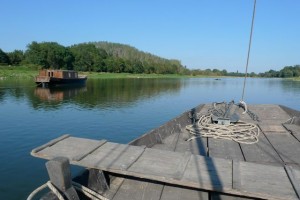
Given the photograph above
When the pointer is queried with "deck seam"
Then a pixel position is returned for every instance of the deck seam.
(289, 172)
(119, 186)
(291, 132)
(283, 163)
(136, 159)
(242, 151)
(177, 138)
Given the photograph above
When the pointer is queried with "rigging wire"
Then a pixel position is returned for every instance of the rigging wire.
(249, 48)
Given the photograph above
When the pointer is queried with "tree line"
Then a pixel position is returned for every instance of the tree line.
(286, 72)
(97, 57)
(117, 58)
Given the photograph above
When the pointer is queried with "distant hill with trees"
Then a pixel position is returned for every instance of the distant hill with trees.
(116, 58)
(96, 56)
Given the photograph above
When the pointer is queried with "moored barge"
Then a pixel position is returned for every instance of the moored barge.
(50, 77)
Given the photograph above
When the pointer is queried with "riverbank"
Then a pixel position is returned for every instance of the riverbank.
(28, 72)
(22, 72)
(296, 79)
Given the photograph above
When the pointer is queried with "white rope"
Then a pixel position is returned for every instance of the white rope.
(243, 103)
(86, 191)
(241, 132)
(55, 191)
(50, 186)
(37, 190)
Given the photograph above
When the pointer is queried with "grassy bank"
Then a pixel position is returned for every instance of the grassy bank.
(23, 72)
(296, 79)
(27, 72)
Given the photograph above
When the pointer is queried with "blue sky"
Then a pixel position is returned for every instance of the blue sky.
(200, 33)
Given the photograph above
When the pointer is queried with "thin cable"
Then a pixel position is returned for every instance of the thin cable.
(249, 48)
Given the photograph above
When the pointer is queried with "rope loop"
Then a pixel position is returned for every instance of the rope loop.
(241, 132)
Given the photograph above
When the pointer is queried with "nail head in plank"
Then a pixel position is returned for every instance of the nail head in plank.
(50, 143)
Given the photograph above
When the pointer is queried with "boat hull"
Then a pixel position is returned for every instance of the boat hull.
(62, 82)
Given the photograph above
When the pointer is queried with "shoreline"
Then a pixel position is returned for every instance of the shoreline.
(29, 72)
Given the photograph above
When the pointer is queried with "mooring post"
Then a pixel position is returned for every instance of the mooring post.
(97, 180)
(60, 176)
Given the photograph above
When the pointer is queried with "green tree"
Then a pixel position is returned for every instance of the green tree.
(88, 58)
(4, 59)
(16, 57)
(48, 55)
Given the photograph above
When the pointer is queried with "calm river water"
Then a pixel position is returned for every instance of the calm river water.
(118, 110)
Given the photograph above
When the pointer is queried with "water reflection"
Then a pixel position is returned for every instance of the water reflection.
(122, 93)
(57, 94)
(103, 93)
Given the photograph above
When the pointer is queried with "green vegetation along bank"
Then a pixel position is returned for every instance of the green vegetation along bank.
(107, 57)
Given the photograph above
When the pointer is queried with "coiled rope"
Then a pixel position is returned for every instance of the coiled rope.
(241, 132)
(50, 186)
(86, 191)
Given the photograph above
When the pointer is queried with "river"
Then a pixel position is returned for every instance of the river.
(117, 110)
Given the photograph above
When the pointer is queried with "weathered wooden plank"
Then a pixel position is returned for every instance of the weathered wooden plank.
(268, 112)
(286, 146)
(50, 143)
(159, 163)
(177, 193)
(113, 187)
(261, 152)
(89, 150)
(200, 172)
(276, 128)
(219, 196)
(221, 148)
(265, 180)
(169, 143)
(295, 129)
(294, 175)
(69, 147)
(209, 173)
(197, 146)
(236, 175)
(113, 156)
(138, 190)
(173, 192)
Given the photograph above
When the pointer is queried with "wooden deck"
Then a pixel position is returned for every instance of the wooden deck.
(172, 168)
